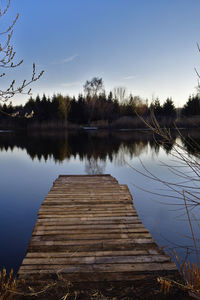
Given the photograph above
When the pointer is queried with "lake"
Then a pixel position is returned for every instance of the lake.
(30, 162)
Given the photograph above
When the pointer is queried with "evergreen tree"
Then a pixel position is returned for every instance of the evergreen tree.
(192, 106)
(156, 107)
(110, 97)
(169, 108)
(29, 106)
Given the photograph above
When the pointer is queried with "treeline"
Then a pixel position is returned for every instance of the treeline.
(94, 106)
(85, 110)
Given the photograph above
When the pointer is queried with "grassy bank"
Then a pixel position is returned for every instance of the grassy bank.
(121, 123)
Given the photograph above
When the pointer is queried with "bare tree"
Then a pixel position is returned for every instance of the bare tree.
(120, 93)
(7, 61)
(93, 87)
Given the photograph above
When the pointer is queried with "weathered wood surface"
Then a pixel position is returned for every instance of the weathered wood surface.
(88, 229)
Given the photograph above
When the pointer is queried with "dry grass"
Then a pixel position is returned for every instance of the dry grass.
(127, 123)
(190, 273)
(13, 288)
(8, 284)
(188, 122)
(60, 288)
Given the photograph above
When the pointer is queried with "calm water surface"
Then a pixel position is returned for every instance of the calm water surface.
(30, 162)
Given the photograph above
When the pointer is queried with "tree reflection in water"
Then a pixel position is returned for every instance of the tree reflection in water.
(93, 147)
(94, 166)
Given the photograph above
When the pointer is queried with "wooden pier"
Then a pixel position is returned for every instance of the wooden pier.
(89, 230)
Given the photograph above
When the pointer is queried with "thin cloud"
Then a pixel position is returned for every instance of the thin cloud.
(65, 60)
(129, 77)
(68, 59)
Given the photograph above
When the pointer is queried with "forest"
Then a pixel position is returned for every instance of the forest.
(95, 107)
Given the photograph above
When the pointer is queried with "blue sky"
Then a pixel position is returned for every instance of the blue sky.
(147, 46)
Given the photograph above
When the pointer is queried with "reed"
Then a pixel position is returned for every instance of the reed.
(191, 274)
(8, 284)
(187, 189)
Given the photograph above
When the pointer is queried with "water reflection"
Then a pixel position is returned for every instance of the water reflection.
(30, 162)
(95, 147)
(191, 141)
(94, 166)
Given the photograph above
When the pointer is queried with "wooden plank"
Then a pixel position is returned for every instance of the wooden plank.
(83, 209)
(136, 267)
(83, 202)
(97, 226)
(93, 227)
(96, 246)
(98, 206)
(90, 219)
(36, 242)
(88, 215)
(87, 231)
(89, 236)
(86, 212)
(95, 260)
(71, 221)
(89, 253)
